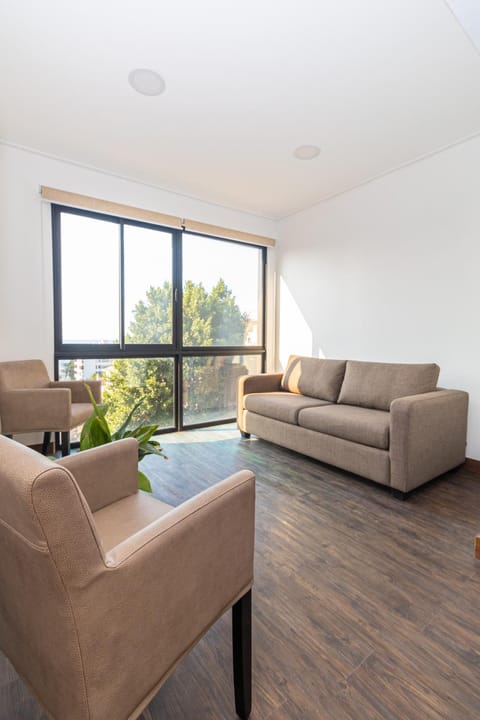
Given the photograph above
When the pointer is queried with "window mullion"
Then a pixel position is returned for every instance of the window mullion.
(177, 309)
(121, 303)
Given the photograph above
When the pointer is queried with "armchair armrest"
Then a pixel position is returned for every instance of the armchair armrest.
(78, 389)
(263, 382)
(35, 409)
(427, 436)
(168, 583)
(223, 513)
(200, 555)
(105, 474)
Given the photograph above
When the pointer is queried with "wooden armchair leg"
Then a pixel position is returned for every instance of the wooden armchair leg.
(242, 654)
(65, 443)
(46, 443)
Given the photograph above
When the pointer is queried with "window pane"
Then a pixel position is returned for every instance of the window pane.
(82, 370)
(148, 285)
(210, 386)
(222, 291)
(126, 381)
(90, 280)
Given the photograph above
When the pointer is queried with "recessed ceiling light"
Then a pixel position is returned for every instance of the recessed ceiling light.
(146, 82)
(306, 152)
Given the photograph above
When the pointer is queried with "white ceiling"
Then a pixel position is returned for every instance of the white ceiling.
(374, 83)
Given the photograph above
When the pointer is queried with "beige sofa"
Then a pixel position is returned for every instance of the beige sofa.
(385, 421)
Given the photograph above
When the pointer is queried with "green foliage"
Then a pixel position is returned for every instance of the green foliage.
(153, 318)
(145, 383)
(96, 431)
(209, 319)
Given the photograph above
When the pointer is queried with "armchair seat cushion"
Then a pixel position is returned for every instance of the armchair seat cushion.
(357, 424)
(283, 406)
(125, 517)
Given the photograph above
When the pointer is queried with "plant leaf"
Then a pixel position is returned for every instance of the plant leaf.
(96, 431)
(100, 412)
(121, 431)
(144, 482)
(143, 433)
(93, 433)
(153, 448)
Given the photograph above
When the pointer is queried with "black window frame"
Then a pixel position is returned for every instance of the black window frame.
(175, 350)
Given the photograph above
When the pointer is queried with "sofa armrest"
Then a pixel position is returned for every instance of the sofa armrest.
(78, 389)
(427, 436)
(263, 382)
(105, 474)
(35, 410)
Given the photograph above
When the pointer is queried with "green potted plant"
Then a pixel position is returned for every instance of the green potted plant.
(96, 431)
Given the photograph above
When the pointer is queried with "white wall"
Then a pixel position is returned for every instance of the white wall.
(26, 284)
(390, 271)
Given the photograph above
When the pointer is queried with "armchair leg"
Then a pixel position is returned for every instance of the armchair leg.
(244, 434)
(65, 444)
(46, 443)
(242, 654)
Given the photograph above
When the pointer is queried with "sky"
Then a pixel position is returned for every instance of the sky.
(90, 272)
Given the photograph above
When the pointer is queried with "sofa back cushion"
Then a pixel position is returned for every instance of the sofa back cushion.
(315, 377)
(376, 385)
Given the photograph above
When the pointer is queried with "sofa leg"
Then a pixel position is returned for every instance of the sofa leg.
(399, 494)
(65, 443)
(244, 434)
(242, 654)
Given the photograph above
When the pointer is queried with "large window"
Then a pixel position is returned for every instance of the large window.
(163, 316)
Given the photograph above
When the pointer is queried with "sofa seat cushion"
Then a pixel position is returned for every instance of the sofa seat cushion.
(282, 406)
(357, 424)
(315, 377)
(377, 385)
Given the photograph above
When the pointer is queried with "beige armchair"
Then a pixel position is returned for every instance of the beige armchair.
(104, 589)
(31, 402)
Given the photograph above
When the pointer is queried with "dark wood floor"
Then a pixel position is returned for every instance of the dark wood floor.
(365, 607)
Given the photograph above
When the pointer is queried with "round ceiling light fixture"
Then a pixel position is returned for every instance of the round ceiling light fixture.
(306, 152)
(146, 82)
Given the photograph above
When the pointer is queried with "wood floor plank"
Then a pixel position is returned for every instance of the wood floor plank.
(364, 607)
